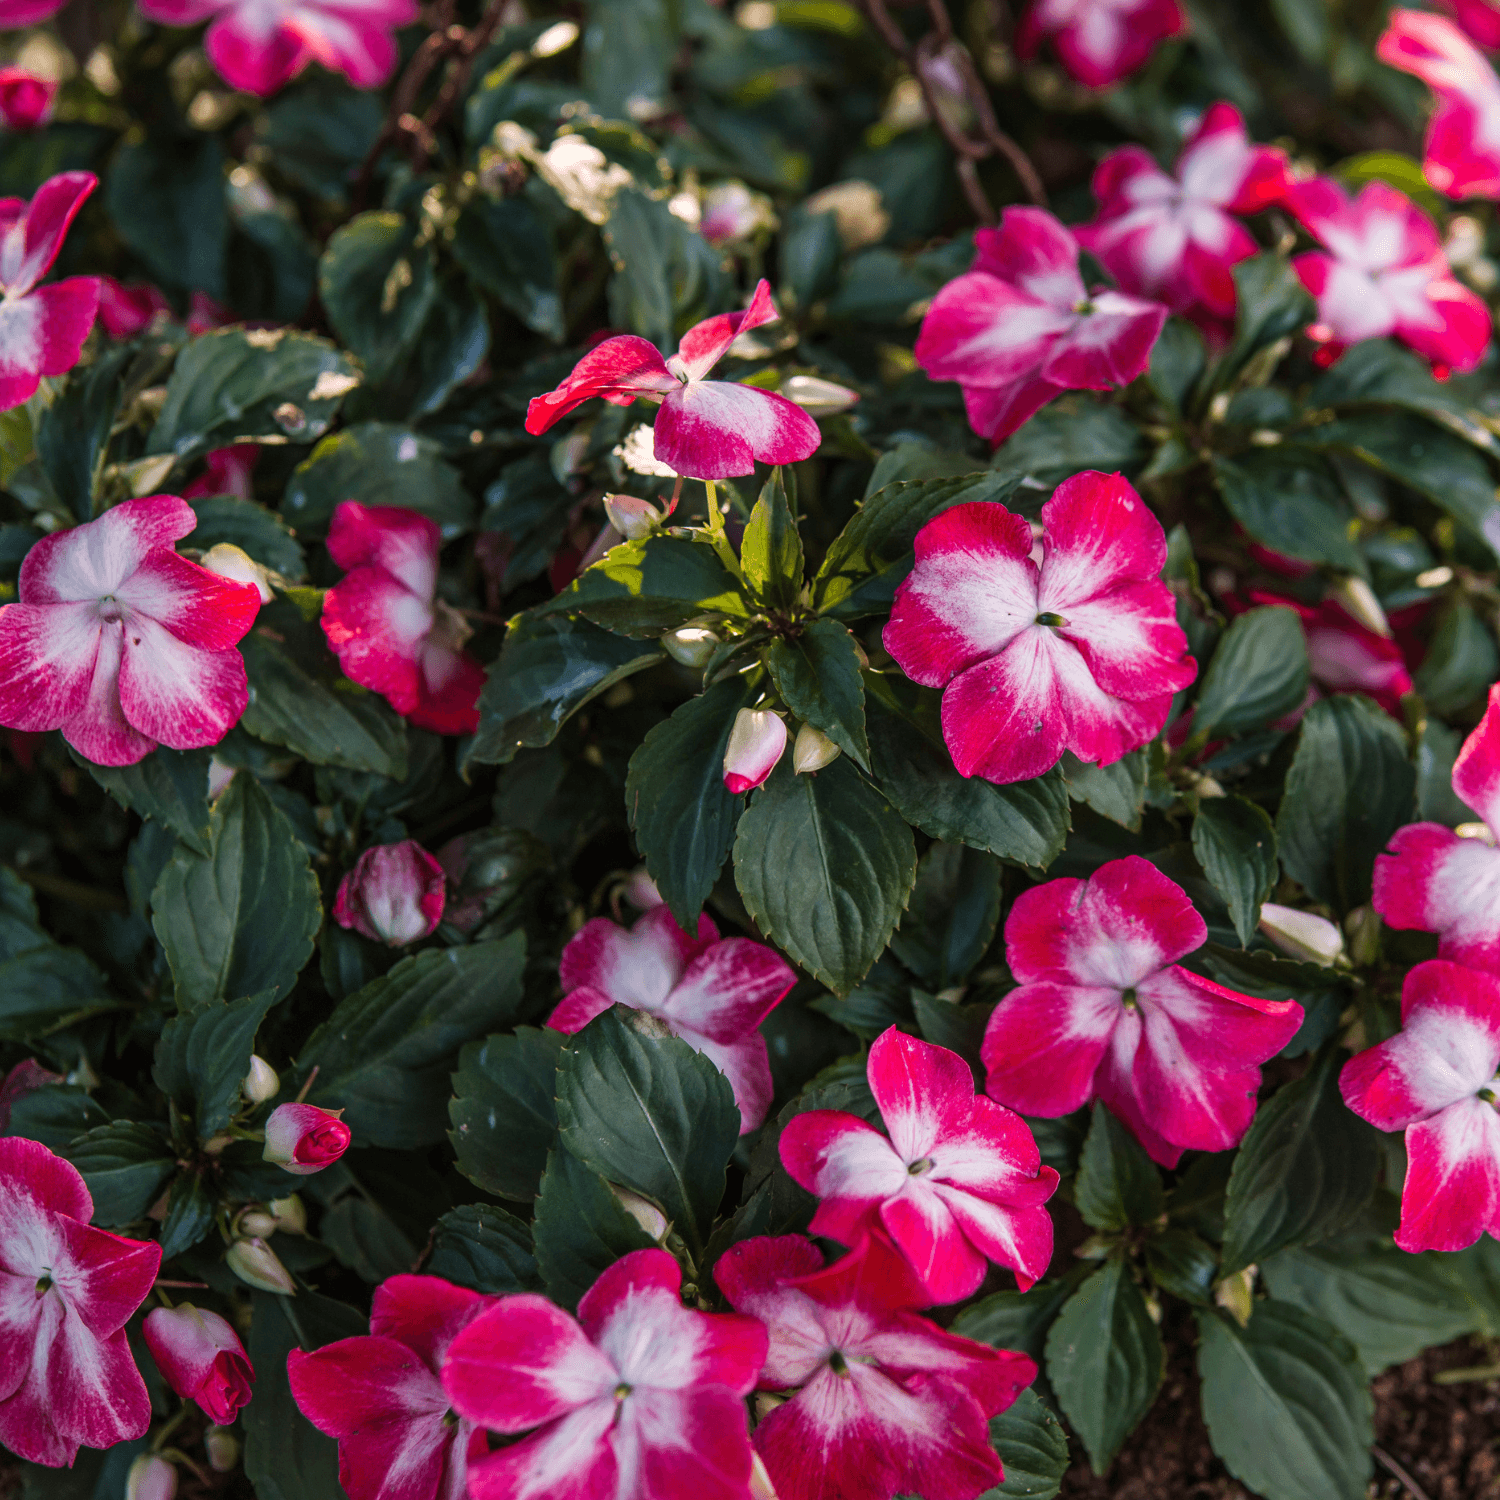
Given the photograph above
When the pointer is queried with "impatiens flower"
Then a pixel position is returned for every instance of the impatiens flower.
(1434, 881)
(394, 895)
(380, 1396)
(957, 1183)
(1435, 1079)
(706, 429)
(882, 1402)
(303, 1139)
(640, 1398)
(125, 311)
(42, 328)
(226, 471)
(1099, 42)
(712, 992)
(1018, 328)
(1103, 1012)
(67, 1378)
(1173, 237)
(756, 742)
(201, 1358)
(121, 643)
(1462, 153)
(385, 623)
(1384, 273)
(25, 99)
(1082, 653)
(259, 47)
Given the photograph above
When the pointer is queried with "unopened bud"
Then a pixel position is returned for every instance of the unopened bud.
(556, 38)
(813, 750)
(1363, 926)
(256, 1224)
(632, 518)
(261, 1082)
(1236, 1295)
(150, 1477)
(235, 564)
(255, 1263)
(223, 1449)
(642, 1210)
(640, 890)
(1480, 831)
(1359, 601)
(756, 743)
(291, 1214)
(1302, 934)
(817, 397)
(691, 645)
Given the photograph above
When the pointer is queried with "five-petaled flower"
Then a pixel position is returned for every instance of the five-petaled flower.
(882, 1402)
(201, 1358)
(393, 895)
(1436, 1080)
(1099, 42)
(706, 429)
(67, 1377)
(1018, 328)
(1103, 1012)
(42, 328)
(385, 623)
(1082, 653)
(1384, 273)
(1173, 237)
(956, 1184)
(121, 643)
(712, 992)
(379, 1394)
(639, 1398)
(303, 1139)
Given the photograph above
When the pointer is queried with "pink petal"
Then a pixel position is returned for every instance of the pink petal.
(1453, 330)
(246, 56)
(924, 1091)
(1476, 772)
(345, 40)
(1452, 1190)
(619, 370)
(996, 413)
(1100, 44)
(757, 741)
(86, 561)
(197, 606)
(34, 1180)
(448, 688)
(1020, 1238)
(684, 1445)
(1044, 1044)
(99, 730)
(1107, 347)
(1035, 252)
(712, 429)
(706, 343)
(378, 628)
(176, 693)
(29, 247)
(928, 1234)
(47, 657)
(729, 989)
(1434, 881)
(983, 331)
(578, 1008)
(402, 542)
(572, 1458)
(638, 967)
(842, 1159)
(756, 1276)
(746, 1065)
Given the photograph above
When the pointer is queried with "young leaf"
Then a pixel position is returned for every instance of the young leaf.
(504, 1112)
(1235, 842)
(771, 551)
(580, 1228)
(124, 1166)
(1258, 673)
(1118, 1184)
(1033, 1449)
(817, 674)
(484, 1248)
(202, 1058)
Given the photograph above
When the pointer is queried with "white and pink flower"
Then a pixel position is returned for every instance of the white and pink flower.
(639, 1398)
(880, 1401)
(1099, 42)
(121, 643)
(1103, 1011)
(1480, 20)
(1436, 1080)
(1384, 274)
(303, 1139)
(25, 99)
(1081, 653)
(757, 741)
(201, 1357)
(380, 1394)
(712, 992)
(67, 1377)
(393, 895)
(706, 429)
(1018, 327)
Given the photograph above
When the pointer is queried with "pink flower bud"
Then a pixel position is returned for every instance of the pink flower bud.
(25, 99)
(755, 745)
(255, 1263)
(393, 895)
(632, 518)
(201, 1358)
(150, 1477)
(303, 1139)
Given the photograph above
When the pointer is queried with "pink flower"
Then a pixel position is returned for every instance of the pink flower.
(25, 99)
(757, 741)
(1434, 881)
(303, 1139)
(386, 625)
(1385, 274)
(640, 1398)
(881, 1401)
(1435, 1079)
(380, 1396)
(956, 1184)
(15, 13)
(1172, 238)
(712, 992)
(1462, 154)
(1082, 653)
(706, 429)
(201, 1358)
(126, 310)
(1099, 42)
(1480, 20)
(121, 643)
(260, 48)
(67, 1377)
(42, 328)
(393, 895)
(1018, 328)
(226, 472)
(1103, 1012)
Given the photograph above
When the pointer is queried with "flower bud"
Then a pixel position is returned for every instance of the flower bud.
(731, 212)
(235, 564)
(223, 1449)
(691, 645)
(817, 397)
(255, 1263)
(640, 890)
(394, 895)
(632, 518)
(201, 1357)
(1359, 602)
(291, 1214)
(150, 1477)
(25, 99)
(1302, 934)
(257, 1223)
(303, 1139)
(261, 1082)
(642, 1210)
(813, 750)
(755, 745)
(860, 215)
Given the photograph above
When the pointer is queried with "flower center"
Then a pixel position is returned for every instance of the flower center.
(1127, 997)
(1084, 308)
(1488, 1095)
(44, 1284)
(837, 1363)
(110, 608)
(622, 1390)
(1048, 618)
(921, 1167)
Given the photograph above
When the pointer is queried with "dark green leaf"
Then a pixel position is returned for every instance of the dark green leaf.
(259, 532)
(504, 1112)
(484, 1248)
(1271, 303)
(1020, 1320)
(1460, 663)
(202, 1058)
(168, 785)
(1118, 1184)
(20, 925)
(1179, 1262)
(166, 198)
(1437, 802)
(1235, 842)
(1033, 1450)
(377, 288)
(452, 344)
(190, 1215)
(124, 1166)
(1178, 359)
(1116, 792)
(504, 245)
(46, 988)
(955, 908)
(818, 677)
(366, 1239)
(1258, 673)
(73, 433)
(771, 549)
(1069, 436)
(580, 1228)
(1291, 505)
(54, 1114)
(665, 273)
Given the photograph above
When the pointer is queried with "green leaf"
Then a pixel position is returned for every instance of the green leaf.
(1033, 1450)
(73, 433)
(385, 1054)
(1460, 663)
(1350, 787)
(682, 814)
(580, 1229)
(818, 677)
(256, 531)
(1020, 1320)
(1118, 1185)
(1305, 1168)
(20, 924)
(642, 1108)
(1291, 505)
(47, 988)
(1116, 792)
(243, 918)
(1178, 359)
(377, 289)
(451, 346)
(168, 785)
(366, 1239)
(1437, 802)
(503, 1111)
(505, 246)
(1105, 1360)
(124, 1166)
(1235, 842)
(202, 1058)
(1179, 1262)
(825, 866)
(1258, 674)
(954, 911)
(190, 1215)
(485, 1249)
(665, 273)
(1286, 1404)
(771, 550)
(1271, 304)
(1069, 436)
(165, 196)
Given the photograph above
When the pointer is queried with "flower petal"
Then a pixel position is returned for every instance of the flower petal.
(1434, 881)
(1452, 1191)
(619, 370)
(706, 343)
(176, 693)
(713, 429)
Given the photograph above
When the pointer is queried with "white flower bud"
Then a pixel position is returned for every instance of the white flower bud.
(235, 564)
(261, 1082)
(150, 1477)
(691, 645)
(818, 398)
(223, 1449)
(255, 1263)
(1359, 602)
(1302, 934)
(632, 518)
(756, 743)
(813, 750)
(291, 1214)
(642, 1210)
